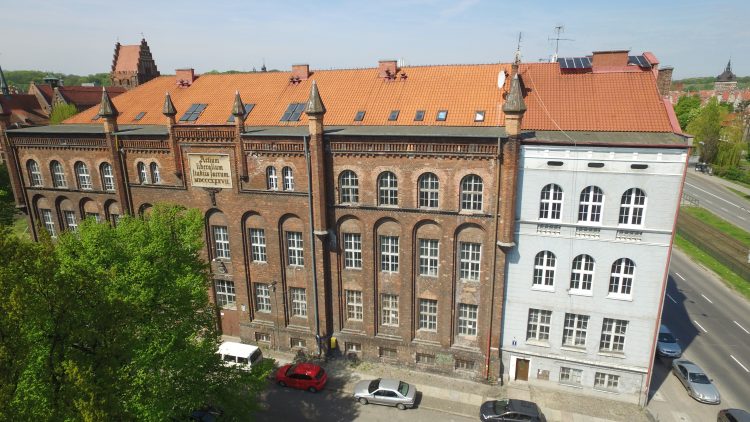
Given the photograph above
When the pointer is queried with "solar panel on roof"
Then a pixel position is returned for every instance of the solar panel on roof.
(561, 62)
(639, 61)
(579, 63)
(293, 112)
(586, 61)
(193, 112)
(571, 63)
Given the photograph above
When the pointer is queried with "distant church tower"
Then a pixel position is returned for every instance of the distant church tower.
(727, 81)
(132, 65)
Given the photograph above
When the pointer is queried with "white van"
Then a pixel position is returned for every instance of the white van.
(240, 354)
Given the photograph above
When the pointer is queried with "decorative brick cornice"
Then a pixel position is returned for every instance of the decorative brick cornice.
(204, 134)
(413, 148)
(59, 142)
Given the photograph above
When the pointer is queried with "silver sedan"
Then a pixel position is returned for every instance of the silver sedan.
(387, 392)
(699, 386)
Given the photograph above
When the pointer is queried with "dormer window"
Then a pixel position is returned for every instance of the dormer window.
(394, 115)
(359, 116)
(479, 116)
(193, 113)
(441, 115)
(419, 116)
(248, 109)
(293, 112)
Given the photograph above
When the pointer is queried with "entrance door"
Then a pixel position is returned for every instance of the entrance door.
(522, 369)
(230, 322)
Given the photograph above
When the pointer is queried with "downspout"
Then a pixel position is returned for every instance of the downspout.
(496, 218)
(312, 242)
(127, 195)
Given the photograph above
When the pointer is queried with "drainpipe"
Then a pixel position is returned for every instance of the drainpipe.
(498, 161)
(312, 243)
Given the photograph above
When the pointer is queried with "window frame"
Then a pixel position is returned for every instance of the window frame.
(348, 192)
(389, 262)
(472, 193)
(108, 176)
(83, 176)
(620, 280)
(575, 327)
(220, 237)
(295, 249)
(272, 179)
(58, 174)
(582, 275)
(632, 211)
(298, 298)
(429, 191)
(538, 325)
(258, 245)
(35, 173)
(544, 270)
(549, 203)
(226, 295)
(607, 382)
(154, 172)
(389, 310)
(613, 336)
(352, 251)
(142, 173)
(287, 177)
(427, 320)
(354, 305)
(573, 376)
(470, 261)
(429, 257)
(387, 189)
(591, 205)
(70, 220)
(467, 319)
(49, 221)
(263, 298)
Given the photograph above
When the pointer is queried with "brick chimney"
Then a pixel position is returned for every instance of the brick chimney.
(301, 71)
(387, 68)
(610, 59)
(186, 75)
(664, 80)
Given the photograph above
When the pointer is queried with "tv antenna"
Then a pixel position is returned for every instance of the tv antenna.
(559, 29)
(517, 59)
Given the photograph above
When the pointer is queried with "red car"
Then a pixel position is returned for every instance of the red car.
(305, 376)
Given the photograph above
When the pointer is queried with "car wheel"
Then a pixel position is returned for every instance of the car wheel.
(312, 390)
(362, 400)
(282, 383)
(401, 406)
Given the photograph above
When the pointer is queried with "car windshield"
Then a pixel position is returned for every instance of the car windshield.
(291, 370)
(320, 373)
(373, 385)
(403, 388)
(699, 379)
(501, 406)
(666, 338)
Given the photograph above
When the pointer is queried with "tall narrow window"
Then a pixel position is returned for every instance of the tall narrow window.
(428, 314)
(467, 319)
(155, 175)
(429, 188)
(35, 173)
(288, 176)
(471, 193)
(70, 220)
(294, 249)
(613, 335)
(582, 273)
(348, 187)
(83, 176)
(632, 207)
(272, 180)
(354, 305)
(299, 302)
(389, 254)
(387, 189)
(590, 206)
(49, 223)
(262, 297)
(225, 295)
(142, 173)
(621, 279)
(538, 325)
(352, 251)
(389, 310)
(544, 269)
(574, 333)
(221, 241)
(108, 177)
(428, 257)
(550, 205)
(258, 245)
(470, 259)
(58, 175)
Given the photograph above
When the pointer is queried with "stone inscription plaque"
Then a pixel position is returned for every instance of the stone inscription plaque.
(210, 170)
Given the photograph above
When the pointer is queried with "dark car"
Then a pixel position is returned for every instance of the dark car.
(511, 410)
(305, 376)
(733, 415)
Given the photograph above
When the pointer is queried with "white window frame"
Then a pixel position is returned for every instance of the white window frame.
(83, 177)
(633, 208)
(545, 263)
(538, 326)
(108, 177)
(272, 179)
(429, 190)
(288, 178)
(389, 310)
(389, 254)
(154, 171)
(467, 319)
(35, 173)
(70, 220)
(582, 275)
(221, 242)
(226, 296)
(621, 279)
(96, 216)
(387, 189)
(574, 330)
(295, 249)
(429, 257)
(262, 298)
(470, 260)
(299, 301)
(428, 315)
(571, 376)
(550, 203)
(49, 221)
(58, 175)
(605, 381)
(348, 187)
(142, 173)
(590, 205)
(353, 251)
(471, 193)
(258, 245)
(354, 307)
(613, 335)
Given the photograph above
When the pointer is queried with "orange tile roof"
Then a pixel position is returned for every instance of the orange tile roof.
(127, 58)
(590, 102)
(87, 96)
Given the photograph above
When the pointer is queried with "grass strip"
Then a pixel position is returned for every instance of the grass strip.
(719, 223)
(698, 255)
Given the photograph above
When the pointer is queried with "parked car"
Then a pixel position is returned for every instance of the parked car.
(733, 415)
(387, 392)
(696, 381)
(666, 344)
(304, 376)
(510, 410)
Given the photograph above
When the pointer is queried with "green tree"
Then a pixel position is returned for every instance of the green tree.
(731, 144)
(7, 202)
(706, 127)
(684, 107)
(115, 324)
(61, 112)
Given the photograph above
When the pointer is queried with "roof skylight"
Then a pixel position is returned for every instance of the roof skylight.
(193, 113)
(293, 112)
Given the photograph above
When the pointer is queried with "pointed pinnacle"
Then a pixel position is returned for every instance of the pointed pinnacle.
(514, 102)
(168, 109)
(315, 103)
(238, 108)
(106, 108)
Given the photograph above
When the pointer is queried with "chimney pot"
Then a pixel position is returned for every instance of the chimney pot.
(301, 71)
(186, 75)
(387, 68)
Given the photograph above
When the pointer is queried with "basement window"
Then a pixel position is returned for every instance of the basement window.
(293, 112)
(419, 116)
(441, 115)
(248, 109)
(479, 116)
(139, 116)
(596, 165)
(554, 163)
(394, 115)
(193, 113)
(359, 116)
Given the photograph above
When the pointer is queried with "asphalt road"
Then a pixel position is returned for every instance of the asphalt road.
(718, 199)
(712, 324)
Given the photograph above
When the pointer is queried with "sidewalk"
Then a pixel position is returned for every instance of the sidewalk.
(463, 397)
(720, 181)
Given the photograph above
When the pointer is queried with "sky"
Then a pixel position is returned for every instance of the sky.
(78, 36)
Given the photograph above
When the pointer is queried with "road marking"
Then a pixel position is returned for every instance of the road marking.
(743, 328)
(701, 327)
(724, 209)
(741, 218)
(678, 275)
(739, 363)
(671, 298)
(715, 196)
(704, 297)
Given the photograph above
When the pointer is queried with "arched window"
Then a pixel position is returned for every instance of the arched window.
(154, 170)
(272, 180)
(58, 175)
(471, 193)
(544, 270)
(590, 206)
(288, 176)
(387, 189)
(35, 173)
(632, 207)
(621, 280)
(550, 206)
(429, 188)
(348, 187)
(83, 176)
(582, 273)
(108, 177)
(142, 174)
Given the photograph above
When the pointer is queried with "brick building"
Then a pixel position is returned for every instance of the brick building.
(375, 205)
(52, 92)
(132, 65)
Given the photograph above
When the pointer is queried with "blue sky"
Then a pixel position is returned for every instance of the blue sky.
(78, 36)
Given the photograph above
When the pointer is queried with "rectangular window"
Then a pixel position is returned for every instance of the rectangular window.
(221, 241)
(389, 254)
(299, 302)
(606, 381)
(354, 305)
(387, 352)
(613, 335)
(70, 220)
(464, 365)
(442, 115)
(262, 297)
(428, 257)
(355, 348)
(574, 333)
(425, 359)
(262, 337)
(359, 116)
(428, 314)
(538, 326)
(570, 376)
(108, 178)
(394, 115)
(470, 259)
(419, 116)
(293, 112)
(258, 245)
(225, 295)
(297, 343)
(389, 310)
(479, 116)
(49, 223)
(352, 250)
(467, 319)
(294, 249)
(94, 215)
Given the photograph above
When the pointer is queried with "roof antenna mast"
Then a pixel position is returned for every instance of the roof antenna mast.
(517, 58)
(559, 29)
